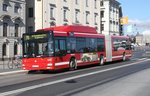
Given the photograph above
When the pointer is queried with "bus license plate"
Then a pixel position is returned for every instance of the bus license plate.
(35, 66)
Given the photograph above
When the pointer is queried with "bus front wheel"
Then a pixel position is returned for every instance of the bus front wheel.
(73, 64)
(32, 71)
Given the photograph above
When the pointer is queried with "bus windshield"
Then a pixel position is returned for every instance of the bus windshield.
(38, 45)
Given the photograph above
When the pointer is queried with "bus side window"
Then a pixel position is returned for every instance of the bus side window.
(81, 45)
(116, 44)
(128, 45)
(56, 46)
(60, 47)
(71, 45)
(100, 45)
(91, 45)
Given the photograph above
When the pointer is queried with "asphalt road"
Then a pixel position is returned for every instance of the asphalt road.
(67, 83)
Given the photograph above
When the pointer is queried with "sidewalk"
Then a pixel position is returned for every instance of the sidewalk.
(137, 84)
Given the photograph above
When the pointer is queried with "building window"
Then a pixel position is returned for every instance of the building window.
(113, 22)
(4, 49)
(117, 11)
(15, 49)
(5, 25)
(76, 1)
(96, 28)
(117, 26)
(5, 7)
(102, 14)
(111, 8)
(30, 12)
(102, 27)
(87, 3)
(102, 3)
(30, 29)
(111, 27)
(95, 18)
(52, 24)
(87, 17)
(65, 15)
(65, 11)
(117, 23)
(16, 30)
(95, 3)
(77, 16)
(16, 10)
(52, 11)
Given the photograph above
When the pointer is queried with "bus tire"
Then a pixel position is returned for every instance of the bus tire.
(124, 57)
(73, 64)
(101, 60)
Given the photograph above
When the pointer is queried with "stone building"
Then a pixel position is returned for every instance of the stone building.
(12, 26)
(111, 13)
(46, 13)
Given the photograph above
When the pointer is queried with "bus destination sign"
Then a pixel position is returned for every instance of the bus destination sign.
(35, 36)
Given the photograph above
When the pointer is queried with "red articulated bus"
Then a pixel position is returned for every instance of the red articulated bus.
(71, 46)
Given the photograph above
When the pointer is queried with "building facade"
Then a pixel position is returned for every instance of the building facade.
(47, 13)
(110, 17)
(12, 26)
(139, 39)
(143, 39)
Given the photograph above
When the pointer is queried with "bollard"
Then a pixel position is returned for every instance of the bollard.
(3, 62)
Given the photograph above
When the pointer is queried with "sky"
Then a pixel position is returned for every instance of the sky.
(138, 12)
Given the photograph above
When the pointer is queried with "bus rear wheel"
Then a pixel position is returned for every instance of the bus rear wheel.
(73, 64)
(124, 57)
(101, 60)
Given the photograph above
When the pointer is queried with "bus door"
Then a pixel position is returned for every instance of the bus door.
(60, 51)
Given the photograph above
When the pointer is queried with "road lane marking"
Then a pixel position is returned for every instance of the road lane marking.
(66, 79)
(142, 59)
(138, 59)
(134, 58)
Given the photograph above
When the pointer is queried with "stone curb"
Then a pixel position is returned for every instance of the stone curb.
(13, 72)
